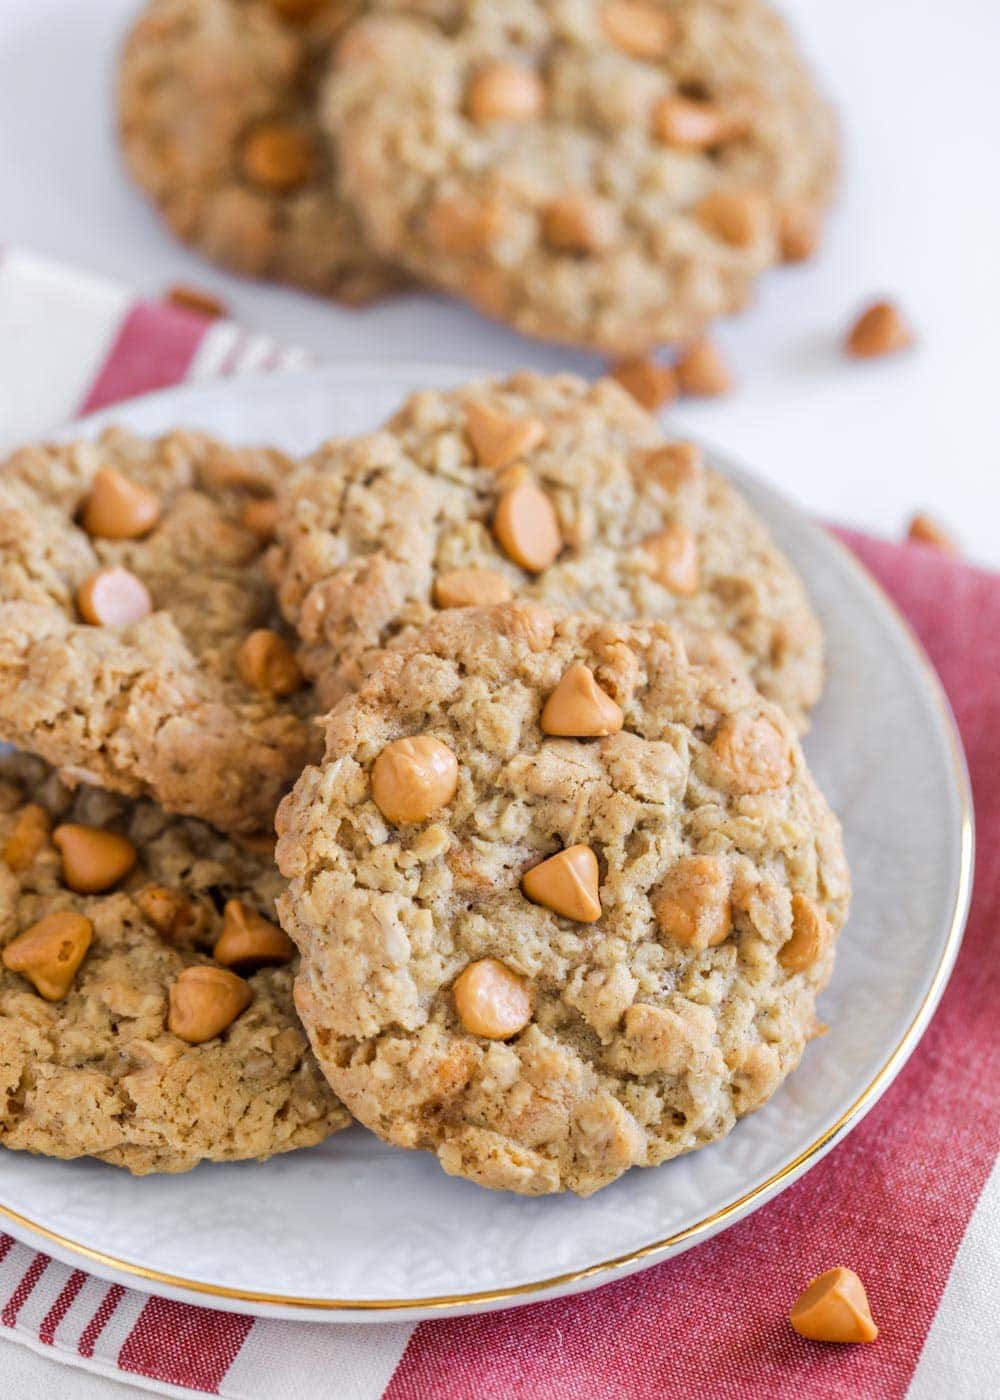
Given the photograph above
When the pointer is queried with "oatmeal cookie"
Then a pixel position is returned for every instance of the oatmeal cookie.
(564, 899)
(140, 646)
(607, 173)
(375, 532)
(217, 116)
(104, 1057)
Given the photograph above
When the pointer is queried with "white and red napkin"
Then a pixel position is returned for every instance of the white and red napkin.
(911, 1199)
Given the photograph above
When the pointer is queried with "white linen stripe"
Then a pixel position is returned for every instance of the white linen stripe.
(56, 328)
(254, 354)
(42, 1296)
(122, 1320)
(959, 1359)
(216, 345)
(79, 1313)
(302, 1360)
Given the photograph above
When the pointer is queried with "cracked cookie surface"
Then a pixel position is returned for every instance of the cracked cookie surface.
(607, 173)
(472, 984)
(217, 116)
(98, 1073)
(156, 706)
(369, 528)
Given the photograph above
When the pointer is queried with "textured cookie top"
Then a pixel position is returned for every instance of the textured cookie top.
(168, 705)
(98, 1073)
(217, 111)
(377, 531)
(609, 173)
(548, 957)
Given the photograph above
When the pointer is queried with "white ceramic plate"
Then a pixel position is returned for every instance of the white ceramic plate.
(354, 1230)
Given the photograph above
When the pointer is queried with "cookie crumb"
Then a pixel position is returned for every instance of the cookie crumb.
(194, 299)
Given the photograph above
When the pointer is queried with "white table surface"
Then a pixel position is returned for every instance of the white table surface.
(919, 218)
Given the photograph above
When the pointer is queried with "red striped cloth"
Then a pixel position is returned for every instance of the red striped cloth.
(911, 1199)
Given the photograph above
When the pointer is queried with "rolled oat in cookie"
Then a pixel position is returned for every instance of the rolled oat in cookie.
(534, 487)
(564, 900)
(606, 173)
(109, 1045)
(131, 591)
(218, 124)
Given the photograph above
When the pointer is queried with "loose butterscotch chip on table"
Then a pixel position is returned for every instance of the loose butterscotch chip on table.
(834, 1308)
(88, 979)
(560, 955)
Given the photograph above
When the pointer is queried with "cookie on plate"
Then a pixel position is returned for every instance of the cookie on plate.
(564, 900)
(607, 173)
(549, 488)
(217, 115)
(140, 648)
(120, 1036)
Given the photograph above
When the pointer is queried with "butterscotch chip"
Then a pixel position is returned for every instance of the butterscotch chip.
(412, 778)
(527, 528)
(249, 942)
(638, 27)
(505, 92)
(580, 223)
(834, 1308)
(205, 1001)
(693, 125)
(692, 905)
(93, 860)
(702, 372)
(579, 708)
(880, 330)
(113, 598)
(414, 503)
(635, 121)
(261, 517)
(278, 156)
(810, 935)
(28, 835)
(158, 708)
(464, 225)
(194, 299)
(567, 883)
(499, 440)
(266, 662)
(49, 953)
(924, 529)
(172, 913)
(753, 752)
(650, 384)
(119, 509)
(738, 217)
(471, 588)
(491, 1000)
(673, 556)
(650, 1031)
(799, 231)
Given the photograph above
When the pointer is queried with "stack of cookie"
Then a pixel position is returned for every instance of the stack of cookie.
(607, 173)
(554, 886)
